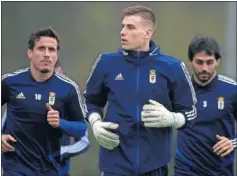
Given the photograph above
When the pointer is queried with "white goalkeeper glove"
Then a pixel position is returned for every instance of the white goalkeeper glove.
(156, 115)
(101, 131)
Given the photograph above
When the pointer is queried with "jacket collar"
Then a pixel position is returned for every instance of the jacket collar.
(140, 57)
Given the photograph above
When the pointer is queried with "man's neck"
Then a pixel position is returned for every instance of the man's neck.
(144, 47)
(38, 76)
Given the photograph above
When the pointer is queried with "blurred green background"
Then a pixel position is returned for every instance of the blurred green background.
(88, 28)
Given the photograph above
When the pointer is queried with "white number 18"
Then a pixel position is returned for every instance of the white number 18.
(38, 96)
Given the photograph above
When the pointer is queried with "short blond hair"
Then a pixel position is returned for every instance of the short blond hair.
(145, 12)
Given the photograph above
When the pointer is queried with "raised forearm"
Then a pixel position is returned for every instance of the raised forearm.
(73, 128)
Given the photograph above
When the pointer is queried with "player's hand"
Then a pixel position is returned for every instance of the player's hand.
(223, 147)
(102, 133)
(156, 115)
(52, 116)
(6, 147)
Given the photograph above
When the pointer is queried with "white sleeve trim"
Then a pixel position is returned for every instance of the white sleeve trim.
(188, 77)
(234, 142)
(4, 118)
(76, 147)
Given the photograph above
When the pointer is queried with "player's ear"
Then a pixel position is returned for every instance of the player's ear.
(148, 33)
(29, 53)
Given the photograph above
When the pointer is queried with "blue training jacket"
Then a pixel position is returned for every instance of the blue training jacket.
(217, 113)
(127, 80)
(27, 119)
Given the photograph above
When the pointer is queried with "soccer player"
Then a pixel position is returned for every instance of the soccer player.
(38, 100)
(207, 148)
(148, 93)
(68, 148)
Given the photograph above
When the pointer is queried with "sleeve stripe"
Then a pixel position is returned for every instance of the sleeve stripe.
(91, 72)
(227, 79)
(234, 144)
(15, 73)
(191, 114)
(185, 70)
(86, 110)
(77, 147)
(93, 67)
(234, 140)
(4, 118)
(68, 80)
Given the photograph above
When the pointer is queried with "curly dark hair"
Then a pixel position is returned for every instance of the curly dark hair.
(204, 43)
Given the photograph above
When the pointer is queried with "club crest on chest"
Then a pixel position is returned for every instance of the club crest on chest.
(152, 76)
(221, 103)
(52, 97)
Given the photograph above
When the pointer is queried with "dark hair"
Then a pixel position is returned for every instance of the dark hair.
(145, 12)
(45, 32)
(204, 43)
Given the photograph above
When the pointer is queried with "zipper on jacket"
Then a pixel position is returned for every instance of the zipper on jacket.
(138, 114)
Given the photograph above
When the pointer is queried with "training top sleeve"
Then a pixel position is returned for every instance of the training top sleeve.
(96, 92)
(184, 97)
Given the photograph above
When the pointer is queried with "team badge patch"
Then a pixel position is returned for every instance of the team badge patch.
(51, 98)
(152, 76)
(221, 103)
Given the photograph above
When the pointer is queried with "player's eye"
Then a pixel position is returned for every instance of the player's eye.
(131, 27)
(199, 62)
(210, 62)
(52, 49)
(41, 48)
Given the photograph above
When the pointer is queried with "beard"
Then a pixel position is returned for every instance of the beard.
(44, 70)
(204, 76)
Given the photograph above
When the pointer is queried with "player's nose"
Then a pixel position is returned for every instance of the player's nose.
(46, 53)
(122, 32)
(204, 67)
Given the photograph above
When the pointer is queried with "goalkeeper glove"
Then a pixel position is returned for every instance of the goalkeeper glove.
(156, 115)
(100, 129)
